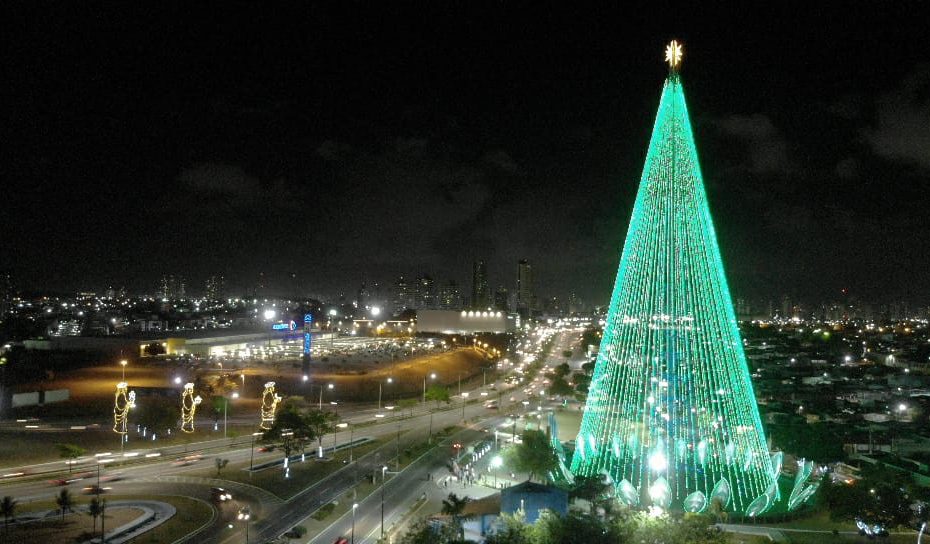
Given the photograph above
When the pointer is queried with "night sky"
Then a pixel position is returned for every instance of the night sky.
(359, 142)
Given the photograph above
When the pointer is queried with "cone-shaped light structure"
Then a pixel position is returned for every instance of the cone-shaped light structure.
(671, 409)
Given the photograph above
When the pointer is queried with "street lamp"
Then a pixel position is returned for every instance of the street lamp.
(496, 463)
(432, 376)
(328, 386)
(389, 381)
(235, 395)
(383, 471)
(252, 453)
(354, 508)
(123, 363)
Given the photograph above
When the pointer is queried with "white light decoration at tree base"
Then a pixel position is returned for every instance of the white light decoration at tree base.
(122, 403)
(270, 401)
(189, 405)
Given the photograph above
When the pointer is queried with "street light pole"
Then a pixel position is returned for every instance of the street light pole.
(354, 508)
(252, 454)
(383, 471)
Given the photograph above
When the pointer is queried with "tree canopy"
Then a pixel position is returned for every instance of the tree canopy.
(534, 456)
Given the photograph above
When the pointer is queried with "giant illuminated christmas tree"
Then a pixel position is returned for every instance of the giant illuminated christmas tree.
(671, 417)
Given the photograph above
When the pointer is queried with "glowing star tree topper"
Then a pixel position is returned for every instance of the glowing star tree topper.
(270, 401)
(673, 54)
(671, 415)
(189, 405)
(124, 401)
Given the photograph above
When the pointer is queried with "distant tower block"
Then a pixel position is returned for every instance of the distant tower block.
(671, 416)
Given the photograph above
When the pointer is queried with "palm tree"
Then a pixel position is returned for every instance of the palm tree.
(64, 501)
(454, 506)
(95, 510)
(8, 510)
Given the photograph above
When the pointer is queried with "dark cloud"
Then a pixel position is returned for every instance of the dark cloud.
(848, 168)
(902, 129)
(502, 160)
(333, 150)
(222, 180)
(766, 146)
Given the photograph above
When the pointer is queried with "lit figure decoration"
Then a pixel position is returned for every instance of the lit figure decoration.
(270, 401)
(671, 415)
(189, 405)
(673, 54)
(124, 401)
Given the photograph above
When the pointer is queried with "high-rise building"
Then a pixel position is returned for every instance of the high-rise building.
(402, 295)
(671, 415)
(480, 291)
(7, 292)
(502, 299)
(172, 287)
(526, 296)
(450, 296)
(426, 288)
(362, 297)
(215, 288)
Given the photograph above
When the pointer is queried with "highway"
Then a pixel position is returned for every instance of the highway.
(274, 516)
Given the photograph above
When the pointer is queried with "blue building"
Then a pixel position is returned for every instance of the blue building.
(532, 499)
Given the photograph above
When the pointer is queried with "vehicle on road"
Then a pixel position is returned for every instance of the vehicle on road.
(95, 490)
(218, 494)
(341, 540)
(186, 461)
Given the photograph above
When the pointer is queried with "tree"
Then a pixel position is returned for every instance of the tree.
(70, 452)
(405, 404)
(64, 502)
(589, 488)
(454, 506)
(95, 510)
(511, 530)
(297, 428)
(533, 456)
(220, 465)
(576, 528)
(717, 510)
(559, 387)
(321, 423)
(7, 510)
(298, 531)
(438, 393)
(422, 532)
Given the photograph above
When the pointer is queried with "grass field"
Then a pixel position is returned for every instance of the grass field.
(191, 515)
(67, 529)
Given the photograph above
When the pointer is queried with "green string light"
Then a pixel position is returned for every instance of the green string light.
(671, 403)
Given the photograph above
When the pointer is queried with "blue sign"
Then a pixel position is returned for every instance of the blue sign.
(285, 326)
(306, 343)
(308, 319)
